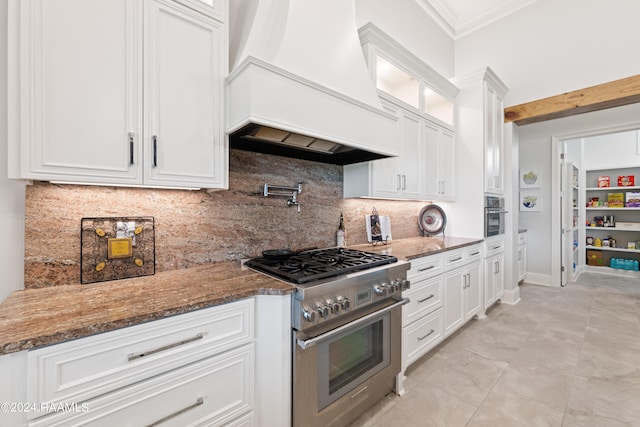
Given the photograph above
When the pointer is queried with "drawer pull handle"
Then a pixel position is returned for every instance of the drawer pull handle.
(496, 247)
(133, 356)
(429, 333)
(199, 402)
(420, 270)
(427, 298)
(455, 259)
(475, 253)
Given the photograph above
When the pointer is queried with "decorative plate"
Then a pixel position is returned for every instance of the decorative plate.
(432, 220)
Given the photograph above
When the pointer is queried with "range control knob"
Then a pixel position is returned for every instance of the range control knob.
(308, 314)
(404, 284)
(344, 303)
(394, 286)
(381, 289)
(323, 310)
(333, 306)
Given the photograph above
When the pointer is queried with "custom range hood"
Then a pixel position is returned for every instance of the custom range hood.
(299, 85)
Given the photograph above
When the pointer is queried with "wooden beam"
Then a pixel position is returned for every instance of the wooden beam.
(607, 95)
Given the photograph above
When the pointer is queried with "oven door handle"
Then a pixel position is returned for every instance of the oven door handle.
(304, 344)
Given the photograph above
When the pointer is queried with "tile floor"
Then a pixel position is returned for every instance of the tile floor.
(565, 357)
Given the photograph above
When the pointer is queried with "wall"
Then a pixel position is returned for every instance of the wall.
(413, 28)
(11, 193)
(552, 47)
(574, 152)
(535, 152)
(200, 227)
(612, 150)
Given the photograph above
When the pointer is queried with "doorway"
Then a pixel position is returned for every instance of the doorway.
(606, 149)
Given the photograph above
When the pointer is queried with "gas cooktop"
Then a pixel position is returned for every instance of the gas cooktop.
(313, 265)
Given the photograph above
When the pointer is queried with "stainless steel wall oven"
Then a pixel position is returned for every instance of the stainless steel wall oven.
(494, 216)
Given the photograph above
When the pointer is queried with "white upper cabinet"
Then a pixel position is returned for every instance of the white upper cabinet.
(124, 92)
(184, 94)
(393, 177)
(438, 162)
(481, 111)
(79, 89)
(493, 138)
(424, 103)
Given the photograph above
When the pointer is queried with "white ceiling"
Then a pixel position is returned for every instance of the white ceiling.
(461, 17)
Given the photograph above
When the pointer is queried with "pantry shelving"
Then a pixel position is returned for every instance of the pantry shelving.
(606, 248)
(621, 238)
(574, 215)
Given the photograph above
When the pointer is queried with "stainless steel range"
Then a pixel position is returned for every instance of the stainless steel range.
(346, 330)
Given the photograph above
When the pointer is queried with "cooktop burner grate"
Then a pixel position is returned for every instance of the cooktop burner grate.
(310, 266)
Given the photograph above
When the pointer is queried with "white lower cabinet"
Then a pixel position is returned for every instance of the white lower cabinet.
(445, 292)
(211, 392)
(462, 294)
(422, 335)
(228, 365)
(493, 271)
(522, 255)
(193, 369)
(421, 319)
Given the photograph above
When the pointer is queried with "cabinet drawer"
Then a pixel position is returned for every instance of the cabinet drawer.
(79, 370)
(493, 246)
(472, 253)
(425, 296)
(421, 336)
(425, 267)
(522, 238)
(453, 259)
(212, 392)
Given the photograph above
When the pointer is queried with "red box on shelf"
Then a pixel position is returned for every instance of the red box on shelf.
(604, 181)
(626, 181)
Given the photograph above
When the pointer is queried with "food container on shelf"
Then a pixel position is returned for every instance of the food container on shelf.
(626, 181)
(633, 199)
(604, 181)
(628, 225)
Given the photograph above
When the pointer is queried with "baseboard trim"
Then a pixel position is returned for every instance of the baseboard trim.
(538, 279)
(511, 296)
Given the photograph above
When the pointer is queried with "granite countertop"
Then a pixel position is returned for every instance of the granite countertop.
(418, 247)
(37, 317)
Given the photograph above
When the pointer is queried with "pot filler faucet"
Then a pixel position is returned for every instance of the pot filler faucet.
(290, 192)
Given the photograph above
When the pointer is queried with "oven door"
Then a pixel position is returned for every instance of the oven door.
(494, 222)
(339, 374)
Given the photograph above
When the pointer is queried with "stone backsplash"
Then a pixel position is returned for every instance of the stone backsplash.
(201, 227)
